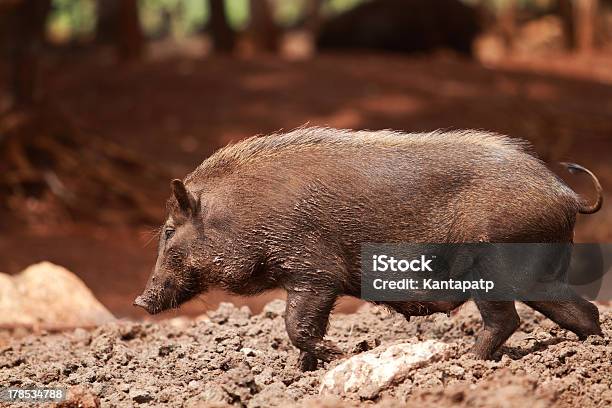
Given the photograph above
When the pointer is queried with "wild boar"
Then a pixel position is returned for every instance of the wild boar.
(292, 210)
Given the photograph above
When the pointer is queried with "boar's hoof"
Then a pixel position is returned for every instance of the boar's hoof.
(480, 354)
(328, 351)
(307, 361)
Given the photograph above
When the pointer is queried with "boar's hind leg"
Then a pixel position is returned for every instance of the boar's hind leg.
(306, 320)
(500, 321)
(578, 315)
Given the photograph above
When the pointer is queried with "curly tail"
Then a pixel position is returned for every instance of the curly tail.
(584, 207)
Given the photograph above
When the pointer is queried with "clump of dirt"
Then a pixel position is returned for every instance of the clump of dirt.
(233, 357)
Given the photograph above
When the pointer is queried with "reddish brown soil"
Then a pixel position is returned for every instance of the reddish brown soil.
(176, 111)
(234, 358)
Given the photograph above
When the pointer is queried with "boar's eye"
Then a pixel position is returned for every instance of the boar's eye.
(168, 233)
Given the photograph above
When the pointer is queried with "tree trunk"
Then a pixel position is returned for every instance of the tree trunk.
(222, 34)
(263, 30)
(507, 21)
(106, 21)
(566, 12)
(131, 40)
(118, 23)
(312, 15)
(586, 22)
(26, 36)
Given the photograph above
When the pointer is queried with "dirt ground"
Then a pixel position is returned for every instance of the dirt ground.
(176, 110)
(233, 357)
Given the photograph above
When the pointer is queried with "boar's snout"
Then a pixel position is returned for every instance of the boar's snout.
(139, 301)
(146, 304)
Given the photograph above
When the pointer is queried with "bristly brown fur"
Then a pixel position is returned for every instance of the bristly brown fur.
(313, 138)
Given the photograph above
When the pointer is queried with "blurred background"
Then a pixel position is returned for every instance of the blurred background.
(102, 102)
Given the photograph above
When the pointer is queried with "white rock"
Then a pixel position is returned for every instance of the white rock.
(249, 352)
(368, 373)
(11, 303)
(48, 295)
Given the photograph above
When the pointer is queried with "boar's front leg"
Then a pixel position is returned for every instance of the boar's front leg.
(306, 320)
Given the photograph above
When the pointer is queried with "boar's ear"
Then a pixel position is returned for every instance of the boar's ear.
(186, 201)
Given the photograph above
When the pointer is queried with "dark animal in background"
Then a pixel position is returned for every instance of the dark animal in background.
(407, 26)
(292, 210)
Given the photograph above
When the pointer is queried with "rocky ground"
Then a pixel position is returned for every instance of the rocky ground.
(232, 357)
